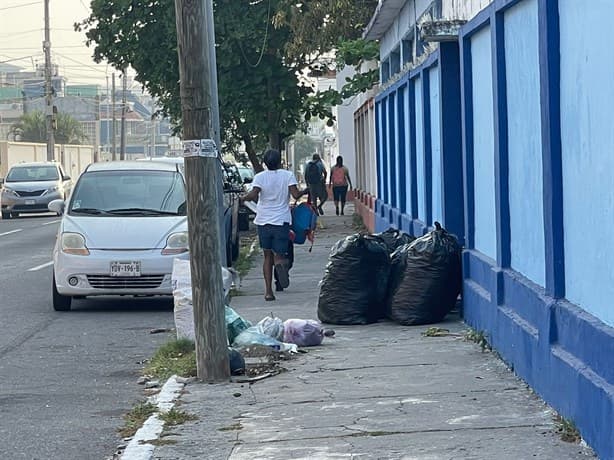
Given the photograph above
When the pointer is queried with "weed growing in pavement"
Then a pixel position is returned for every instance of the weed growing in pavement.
(176, 417)
(567, 429)
(436, 332)
(175, 357)
(134, 419)
(478, 337)
(236, 427)
(161, 442)
(246, 255)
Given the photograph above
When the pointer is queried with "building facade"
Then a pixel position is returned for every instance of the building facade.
(501, 132)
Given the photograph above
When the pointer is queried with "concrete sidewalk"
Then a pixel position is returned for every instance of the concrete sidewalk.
(381, 391)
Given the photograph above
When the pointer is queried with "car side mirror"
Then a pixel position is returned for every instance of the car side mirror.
(57, 206)
(65, 178)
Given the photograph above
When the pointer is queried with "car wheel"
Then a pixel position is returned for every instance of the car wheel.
(6, 215)
(14, 215)
(60, 302)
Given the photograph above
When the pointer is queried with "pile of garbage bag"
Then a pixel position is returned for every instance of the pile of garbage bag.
(425, 278)
(391, 274)
(353, 290)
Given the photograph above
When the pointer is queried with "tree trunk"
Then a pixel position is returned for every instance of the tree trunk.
(251, 153)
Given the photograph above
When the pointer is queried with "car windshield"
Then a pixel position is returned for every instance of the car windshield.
(246, 173)
(32, 174)
(129, 193)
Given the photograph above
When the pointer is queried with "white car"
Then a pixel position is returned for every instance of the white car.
(122, 227)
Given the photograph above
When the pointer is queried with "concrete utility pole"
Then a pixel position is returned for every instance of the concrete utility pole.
(48, 88)
(122, 142)
(113, 135)
(215, 122)
(97, 131)
(201, 169)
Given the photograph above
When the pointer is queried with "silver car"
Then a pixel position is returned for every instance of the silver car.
(122, 227)
(30, 187)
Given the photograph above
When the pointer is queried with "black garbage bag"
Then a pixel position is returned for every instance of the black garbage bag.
(353, 290)
(425, 278)
(394, 239)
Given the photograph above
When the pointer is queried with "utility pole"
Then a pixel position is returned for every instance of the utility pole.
(48, 88)
(107, 143)
(113, 134)
(215, 122)
(201, 170)
(97, 131)
(122, 141)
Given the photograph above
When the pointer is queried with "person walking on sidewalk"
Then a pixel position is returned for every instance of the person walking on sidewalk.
(315, 178)
(340, 179)
(272, 189)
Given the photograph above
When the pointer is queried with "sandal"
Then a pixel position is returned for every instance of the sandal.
(281, 270)
(269, 298)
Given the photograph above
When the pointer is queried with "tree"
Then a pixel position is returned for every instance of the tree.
(262, 99)
(32, 127)
(304, 148)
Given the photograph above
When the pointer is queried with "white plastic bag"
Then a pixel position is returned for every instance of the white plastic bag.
(182, 297)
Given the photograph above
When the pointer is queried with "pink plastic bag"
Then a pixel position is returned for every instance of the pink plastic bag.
(303, 332)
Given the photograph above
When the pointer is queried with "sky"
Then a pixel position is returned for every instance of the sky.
(22, 25)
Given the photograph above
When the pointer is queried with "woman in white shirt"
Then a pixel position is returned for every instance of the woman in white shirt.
(272, 189)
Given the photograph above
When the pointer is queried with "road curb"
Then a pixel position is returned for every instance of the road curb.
(140, 447)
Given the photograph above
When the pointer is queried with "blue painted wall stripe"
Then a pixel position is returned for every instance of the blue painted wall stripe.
(428, 160)
(402, 150)
(450, 149)
(502, 202)
(550, 83)
(412, 150)
(467, 127)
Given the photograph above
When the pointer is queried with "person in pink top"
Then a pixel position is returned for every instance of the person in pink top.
(340, 180)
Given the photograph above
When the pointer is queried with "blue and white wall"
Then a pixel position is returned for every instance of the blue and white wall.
(418, 148)
(539, 192)
(506, 138)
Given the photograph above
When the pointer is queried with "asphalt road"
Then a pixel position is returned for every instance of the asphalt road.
(66, 378)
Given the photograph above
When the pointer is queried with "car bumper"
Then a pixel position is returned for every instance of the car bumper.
(13, 203)
(90, 275)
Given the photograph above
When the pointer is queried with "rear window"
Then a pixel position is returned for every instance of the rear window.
(129, 193)
(32, 174)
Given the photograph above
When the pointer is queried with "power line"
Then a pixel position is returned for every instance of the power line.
(19, 6)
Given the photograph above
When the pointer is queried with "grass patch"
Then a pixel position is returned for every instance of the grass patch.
(176, 417)
(175, 357)
(134, 419)
(244, 262)
(479, 337)
(567, 429)
(161, 442)
(358, 224)
(436, 332)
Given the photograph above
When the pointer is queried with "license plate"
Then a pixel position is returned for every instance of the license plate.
(30, 202)
(126, 268)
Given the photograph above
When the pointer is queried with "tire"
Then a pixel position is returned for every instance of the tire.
(60, 302)
(14, 215)
(6, 215)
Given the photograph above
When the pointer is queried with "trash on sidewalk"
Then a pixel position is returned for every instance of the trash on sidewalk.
(271, 326)
(183, 310)
(253, 336)
(394, 239)
(355, 283)
(236, 362)
(305, 332)
(425, 278)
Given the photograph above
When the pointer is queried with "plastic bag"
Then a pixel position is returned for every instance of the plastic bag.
(235, 324)
(303, 332)
(425, 278)
(394, 239)
(252, 336)
(353, 290)
(271, 326)
(183, 313)
(181, 276)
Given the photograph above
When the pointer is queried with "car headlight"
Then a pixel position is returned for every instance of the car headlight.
(51, 190)
(74, 243)
(9, 191)
(177, 243)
